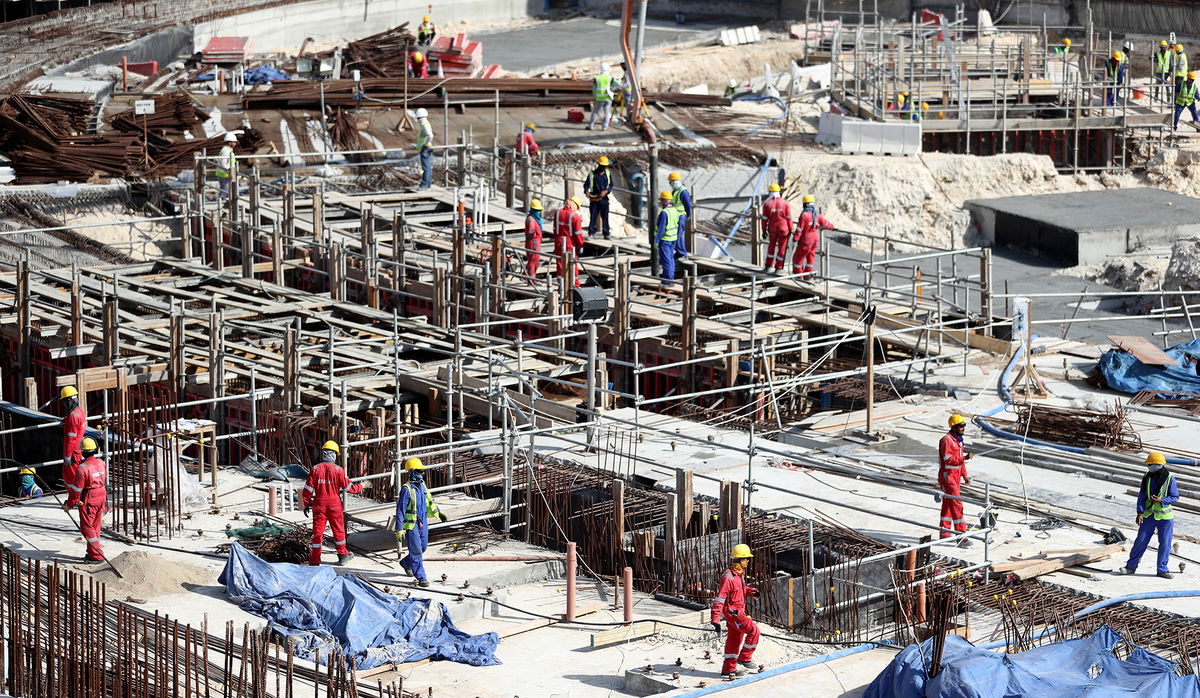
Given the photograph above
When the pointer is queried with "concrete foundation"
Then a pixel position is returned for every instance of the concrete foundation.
(1087, 227)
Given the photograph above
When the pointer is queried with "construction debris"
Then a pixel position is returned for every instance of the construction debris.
(1108, 429)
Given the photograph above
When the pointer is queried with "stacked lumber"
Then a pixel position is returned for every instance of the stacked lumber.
(457, 56)
(380, 55)
(1055, 561)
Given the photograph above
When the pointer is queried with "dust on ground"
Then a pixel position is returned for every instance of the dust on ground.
(144, 575)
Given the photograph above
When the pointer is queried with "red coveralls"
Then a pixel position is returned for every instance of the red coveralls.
(323, 492)
(777, 224)
(88, 487)
(568, 230)
(730, 604)
(807, 237)
(74, 425)
(533, 245)
(418, 70)
(952, 468)
(526, 145)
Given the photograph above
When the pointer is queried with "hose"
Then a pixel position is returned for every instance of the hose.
(770, 673)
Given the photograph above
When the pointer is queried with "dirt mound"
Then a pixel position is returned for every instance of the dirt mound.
(147, 574)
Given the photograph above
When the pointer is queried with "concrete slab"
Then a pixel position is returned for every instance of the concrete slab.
(533, 49)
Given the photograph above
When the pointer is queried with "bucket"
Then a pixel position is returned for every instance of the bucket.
(1138, 94)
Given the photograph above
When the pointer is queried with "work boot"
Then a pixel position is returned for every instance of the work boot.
(734, 674)
(92, 560)
(748, 666)
(965, 543)
(1125, 570)
(343, 558)
(422, 582)
(1166, 575)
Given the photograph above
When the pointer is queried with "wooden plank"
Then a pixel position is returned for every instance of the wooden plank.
(1143, 350)
(1041, 567)
(640, 630)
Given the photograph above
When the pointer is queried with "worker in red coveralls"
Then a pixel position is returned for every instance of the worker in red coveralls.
(777, 224)
(568, 234)
(952, 473)
(808, 235)
(533, 238)
(322, 495)
(418, 67)
(526, 145)
(730, 604)
(88, 490)
(74, 426)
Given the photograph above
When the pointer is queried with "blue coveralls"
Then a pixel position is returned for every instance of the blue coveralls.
(1158, 519)
(28, 487)
(670, 241)
(414, 521)
(1116, 74)
(599, 182)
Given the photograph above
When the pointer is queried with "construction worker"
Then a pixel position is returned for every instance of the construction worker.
(425, 147)
(680, 196)
(669, 237)
(226, 163)
(918, 114)
(418, 67)
(413, 509)
(1185, 98)
(730, 89)
(29, 487)
(1157, 494)
(624, 92)
(426, 32)
(568, 234)
(602, 95)
(74, 428)
(526, 145)
(1115, 75)
(322, 496)
(777, 224)
(533, 238)
(1180, 66)
(808, 236)
(88, 490)
(730, 604)
(598, 186)
(952, 473)
(1161, 64)
(902, 102)
(1064, 49)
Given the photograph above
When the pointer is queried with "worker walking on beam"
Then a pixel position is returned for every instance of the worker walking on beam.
(669, 237)
(1157, 494)
(1115, 75)
(730, 605)
(413, 510)
(602, 99)
(426, 32)
(952, 474)
(89, 491)
(322, 496)
(226, 164)
(808, 237)
(778, 226)
(425, 147)
(568, 235)
(1185, 98)
(526, 144)
(598, 187)
(533, 239)
(74, 426)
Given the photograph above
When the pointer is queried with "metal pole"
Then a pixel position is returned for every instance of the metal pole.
(254, 410)
(641, 35)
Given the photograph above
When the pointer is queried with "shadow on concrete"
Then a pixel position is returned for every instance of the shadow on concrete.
(608, 682)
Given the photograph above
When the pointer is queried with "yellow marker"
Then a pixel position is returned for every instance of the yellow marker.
(816, 605)
(1010, 592)
(838, 632)
(970, 584)
(995, 597)
(831, 588)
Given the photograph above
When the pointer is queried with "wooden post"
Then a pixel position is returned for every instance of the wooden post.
(618, 494)
(25, 318)
(318, 214)
(370, 258)
(247, 239)
(76, 310)
(289, 211)
(683, 490)
(510, 176)
(688, 338)
(439, 297)
(337, 281)
(985, 293)
(178, 369)
(218, 243)
(31, 394)
(277, 254)
(462, 158)
(112, 344)
(671, 527)
(291, 370)
(870, 426)
(756, 243)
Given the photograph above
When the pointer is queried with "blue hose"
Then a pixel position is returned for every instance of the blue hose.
(813, 661)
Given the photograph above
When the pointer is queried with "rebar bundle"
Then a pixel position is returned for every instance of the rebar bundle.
(1075, 427)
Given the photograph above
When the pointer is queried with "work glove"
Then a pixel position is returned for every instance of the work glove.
(307, 511)
(716, 626)
(368, 485)
(443, 517)
(399, 536)
(752, 591)
(67, 507)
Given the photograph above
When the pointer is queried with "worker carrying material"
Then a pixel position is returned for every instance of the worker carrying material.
(74, 425)
(425, 147)
(533, 238)
(730, 604)
(1185, 98)
(226, 164)
(418, 66)
(808, 236)
(89, 490)
(322, 495)
(1115, 76)
(426, 32)
(778, 226)
(526, 145)
(952, 473)
(413, 510)
(602, 99)
(669, 237)
(680, 196)
(1157, 495)
(29, 487)
(598, 186)
(568, 235)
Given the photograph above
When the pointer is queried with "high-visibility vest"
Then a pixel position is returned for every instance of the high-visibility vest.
(424, 134)
(677, 198)
(1114, 69)
(225, 161)
(1186, 96)
(1181, 70)
(590, 185)
(1162, 62)
(671, 231)
(601, 85)
(1062, 50)
(1156, 510)
(410, 514)
(425, 28)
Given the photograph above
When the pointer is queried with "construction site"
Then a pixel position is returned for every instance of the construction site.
(217, 246)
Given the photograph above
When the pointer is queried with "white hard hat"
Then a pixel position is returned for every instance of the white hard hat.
(230, 137)
(732, 82)
(604, 69)
(421, 113)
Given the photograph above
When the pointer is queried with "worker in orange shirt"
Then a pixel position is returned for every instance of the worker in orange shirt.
(533, 238)
(418, 67)
(568, 234)
(952, 474)
(526, 145)
(777, 224)
(808, 236)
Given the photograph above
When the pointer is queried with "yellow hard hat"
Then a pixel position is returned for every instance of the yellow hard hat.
(956, 419)
(674, 177)
(425, 18)
(576, 200)
(536, 204)
(1163, 43)
(1179, 47)
(741, 551)
(603, 160)
(25, 471)
(1156, 458)
(67, 391)
(1191, 75)
(773, 187)
(808, 199)
(1066, 42)
(414, 464)
(665, 196)
(331, 446)
(89, 445)
(904, 93)
(530, 125)
(417, 56)
(924, 105)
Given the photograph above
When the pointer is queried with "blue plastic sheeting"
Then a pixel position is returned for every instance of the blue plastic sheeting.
(1083, 667)
(1122, 371)
(264, 74)
(321, 611)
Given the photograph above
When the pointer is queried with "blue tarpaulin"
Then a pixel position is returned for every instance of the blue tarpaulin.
(1082, 667)
(321, 610)
(1122, 371)
(264, 74)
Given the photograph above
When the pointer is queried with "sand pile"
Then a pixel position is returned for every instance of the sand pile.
(145, 575)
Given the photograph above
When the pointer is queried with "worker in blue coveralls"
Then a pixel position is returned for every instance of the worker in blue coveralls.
(413, 510)
(668, 237)
(28, 488)
(1156, 495)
